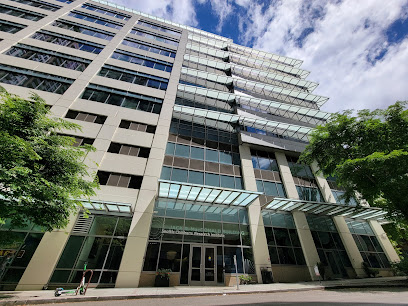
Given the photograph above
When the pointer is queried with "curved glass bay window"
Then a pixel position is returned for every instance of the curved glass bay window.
(178, 225)
(305, 181)
(329, 245)
(282, 238)
(98, 241)
(21, 244)
(368, 245)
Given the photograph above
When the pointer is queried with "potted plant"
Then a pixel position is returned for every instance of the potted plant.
(162, 278)
(245, 279)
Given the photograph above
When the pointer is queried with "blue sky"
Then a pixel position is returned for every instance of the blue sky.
(356, 50)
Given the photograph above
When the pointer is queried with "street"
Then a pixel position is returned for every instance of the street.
(372, 296)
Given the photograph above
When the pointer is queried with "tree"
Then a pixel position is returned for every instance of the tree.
(42, 175)
(367, 153)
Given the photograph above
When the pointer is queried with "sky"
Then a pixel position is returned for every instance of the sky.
(357, 50)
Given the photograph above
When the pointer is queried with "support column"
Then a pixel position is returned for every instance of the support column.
(302, 227)
(346, 237)
(40, 268)
(133, 257)
(382, 238)
(257, 229)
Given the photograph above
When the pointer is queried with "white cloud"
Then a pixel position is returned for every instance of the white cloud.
(346, 37)
(180, 11)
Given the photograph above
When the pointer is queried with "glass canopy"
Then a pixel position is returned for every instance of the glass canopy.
(206, 194)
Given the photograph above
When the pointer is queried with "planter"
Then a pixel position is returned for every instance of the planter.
(160, 281)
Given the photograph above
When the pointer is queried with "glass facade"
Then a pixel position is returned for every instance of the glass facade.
(17, 246)
(368, 244)
(100, 246)
(177, 225)
(282, 238)
(96, 19)
(329, 244)
(83, 29)
(142, 60)
(151, 35)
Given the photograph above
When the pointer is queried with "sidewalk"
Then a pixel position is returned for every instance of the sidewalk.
(47, 296)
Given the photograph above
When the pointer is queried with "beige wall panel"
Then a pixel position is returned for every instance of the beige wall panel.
(120, 163)
(116, 194)
(94, 107)
(286, 176)
(307, 243)
(89, 129)
(134, 138)
(352, 250)
(137, 116)
(42, 264)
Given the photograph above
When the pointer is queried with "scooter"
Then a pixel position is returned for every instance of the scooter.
(81, 289)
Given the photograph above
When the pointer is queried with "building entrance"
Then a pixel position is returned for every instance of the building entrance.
(203, 268)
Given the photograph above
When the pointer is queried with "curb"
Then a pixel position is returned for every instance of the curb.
(181, 295)
(146, 296)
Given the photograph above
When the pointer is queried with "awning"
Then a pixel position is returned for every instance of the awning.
(327, 209)
(281, 128)
(206, 194)
(111, 207)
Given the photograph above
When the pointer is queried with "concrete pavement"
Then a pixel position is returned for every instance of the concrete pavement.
(93, 294)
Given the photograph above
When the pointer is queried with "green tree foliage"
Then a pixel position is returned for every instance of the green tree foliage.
(367, 153)
(41, 173)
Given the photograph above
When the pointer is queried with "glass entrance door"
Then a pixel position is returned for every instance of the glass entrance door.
(203, 265)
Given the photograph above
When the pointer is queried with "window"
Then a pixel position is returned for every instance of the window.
(264, 160)
(177, 224)
(100, 245)
(95, 19)
(210, 104)
(148, 47)
(35, 80)
(119, 148)
(338, 192)
(10, 27)
(217, 156)
(80, 141)
(282, 238)
(119, 180)
(134, 77)
(83, 29)
(68, 41)
(151, 35)
(121, 98)
(88, 117)
(105, 11)
(201, 178)
(19, 12)
(368, 244)
(40, 4)
(158, 27)
(48, 57)
(65, 1)
(271, 188)
(21, 243)
(328, 243)
(136, 126)
(142, 60)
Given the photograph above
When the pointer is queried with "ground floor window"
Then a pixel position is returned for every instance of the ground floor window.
(282, 238)
(368, 245)
(329, 245)
(99, 242)
(184, 234)
(17, 247)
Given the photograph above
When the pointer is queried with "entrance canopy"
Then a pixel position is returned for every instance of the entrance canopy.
(327, 209)
(108, 207)
(206, 194)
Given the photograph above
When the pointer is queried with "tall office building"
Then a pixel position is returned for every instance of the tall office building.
(197, 140)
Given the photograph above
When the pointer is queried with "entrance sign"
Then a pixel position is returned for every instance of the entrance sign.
(166, 231)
